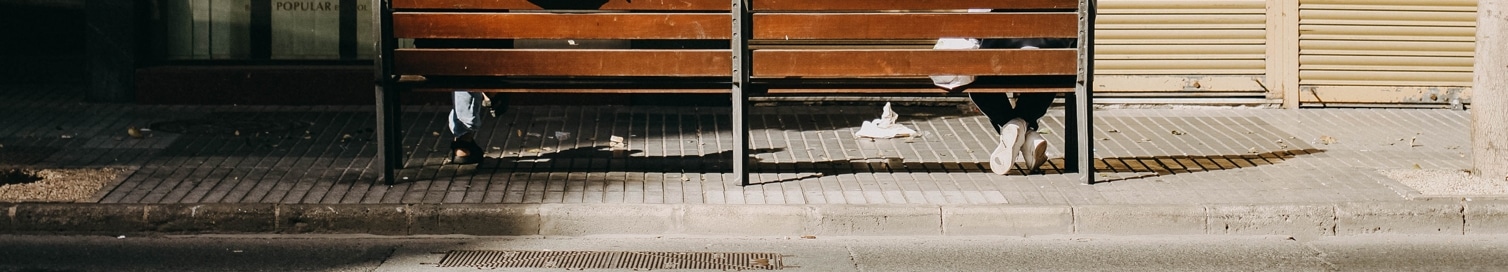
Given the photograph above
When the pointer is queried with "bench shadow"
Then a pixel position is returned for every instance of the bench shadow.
(1140, 167)
(1157, 166)
(605, 159)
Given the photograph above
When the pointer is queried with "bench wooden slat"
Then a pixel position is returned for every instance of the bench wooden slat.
(562, 62)
(916, 85)
(602, 85)
(451, 25)
(495, 89)
(913, 4)
(918, 90)
(696, 5)
(774, 63)
(774, 91)
(780, 26)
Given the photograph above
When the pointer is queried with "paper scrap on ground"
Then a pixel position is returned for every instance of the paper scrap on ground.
(617, 142)
(885, 127)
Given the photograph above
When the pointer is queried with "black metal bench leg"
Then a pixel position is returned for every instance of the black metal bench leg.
(740, 141)
(389, 137)
(742, 28)
(1078, 139)
(1070, 134)
(1084, 92)
(1082, 157)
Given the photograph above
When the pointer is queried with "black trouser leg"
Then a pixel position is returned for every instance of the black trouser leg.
(997, 107)
(1032, 106)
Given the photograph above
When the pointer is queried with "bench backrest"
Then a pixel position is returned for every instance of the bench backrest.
(862, 24)
(795, 45)
(566, 20)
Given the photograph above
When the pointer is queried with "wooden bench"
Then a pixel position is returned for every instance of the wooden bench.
(774, 47)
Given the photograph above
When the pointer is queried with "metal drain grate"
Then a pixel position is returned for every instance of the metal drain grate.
(612, 260)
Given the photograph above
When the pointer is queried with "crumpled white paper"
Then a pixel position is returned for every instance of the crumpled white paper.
(885, 127)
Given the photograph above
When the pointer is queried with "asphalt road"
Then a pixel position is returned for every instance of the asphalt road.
(1050, 253)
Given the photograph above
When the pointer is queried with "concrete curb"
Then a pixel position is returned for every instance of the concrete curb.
(1406, 217)
(1295, 220)
(1486, 217)
(1013, 220)
(1413, 217)
(1140, 219)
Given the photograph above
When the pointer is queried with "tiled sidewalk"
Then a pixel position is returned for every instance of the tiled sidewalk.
(807, 155)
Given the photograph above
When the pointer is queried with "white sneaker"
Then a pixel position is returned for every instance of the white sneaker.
(1034, 151)
(1004, 156)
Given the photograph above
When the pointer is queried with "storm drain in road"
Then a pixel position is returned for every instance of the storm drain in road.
(612, 260)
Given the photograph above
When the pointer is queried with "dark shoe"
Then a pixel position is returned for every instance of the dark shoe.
(473, 152)
(499, 105)
(496, 105)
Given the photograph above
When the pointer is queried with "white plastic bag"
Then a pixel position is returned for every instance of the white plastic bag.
(954, 81)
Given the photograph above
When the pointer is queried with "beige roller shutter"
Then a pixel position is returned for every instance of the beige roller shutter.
(1181, 51)
(1385, 52)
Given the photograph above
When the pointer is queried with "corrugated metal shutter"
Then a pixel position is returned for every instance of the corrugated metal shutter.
(1390, 52)
(1181, 51)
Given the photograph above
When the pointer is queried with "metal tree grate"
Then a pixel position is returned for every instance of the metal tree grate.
(612, 260)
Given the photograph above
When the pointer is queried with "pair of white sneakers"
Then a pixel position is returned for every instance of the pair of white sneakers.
(1015, 138)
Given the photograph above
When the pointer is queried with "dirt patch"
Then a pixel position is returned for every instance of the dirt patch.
(1448, 182)
(53, 185)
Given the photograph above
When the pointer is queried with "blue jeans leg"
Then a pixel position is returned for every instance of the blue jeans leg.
(465, 113)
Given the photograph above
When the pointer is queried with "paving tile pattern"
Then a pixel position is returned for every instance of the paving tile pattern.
(806, 154)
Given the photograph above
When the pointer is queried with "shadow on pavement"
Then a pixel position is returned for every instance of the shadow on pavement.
(603, 159)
